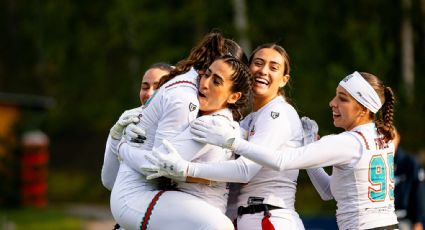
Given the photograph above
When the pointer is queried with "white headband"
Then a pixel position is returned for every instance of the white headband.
(362, 91)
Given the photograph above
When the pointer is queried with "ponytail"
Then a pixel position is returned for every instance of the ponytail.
(385, 116)
(385, 122)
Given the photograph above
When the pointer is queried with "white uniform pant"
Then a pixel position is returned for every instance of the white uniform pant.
(280, 218)
(173, 210)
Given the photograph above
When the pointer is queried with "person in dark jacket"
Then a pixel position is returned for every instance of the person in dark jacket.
(409, 189)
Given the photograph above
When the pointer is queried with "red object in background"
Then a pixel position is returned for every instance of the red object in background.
(34, 161)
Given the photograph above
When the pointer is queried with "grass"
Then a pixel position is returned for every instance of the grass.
(36, 219)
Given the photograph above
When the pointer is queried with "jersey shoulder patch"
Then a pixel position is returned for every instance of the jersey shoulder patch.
(274, 114)
(192, 107)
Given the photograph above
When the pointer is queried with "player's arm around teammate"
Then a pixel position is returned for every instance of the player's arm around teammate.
(149, 83)
(268, 196)
(362, 180)
(137, 203)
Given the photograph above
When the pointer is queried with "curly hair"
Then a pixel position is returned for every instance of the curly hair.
(242, 79)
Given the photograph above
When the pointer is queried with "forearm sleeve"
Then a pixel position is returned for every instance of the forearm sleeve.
(328, 151)
(262, 155)
(321, 182)
(241, 170)
(110, 163)
(133, 157)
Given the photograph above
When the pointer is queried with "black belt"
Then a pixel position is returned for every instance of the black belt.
(251, 209)
(389, 227)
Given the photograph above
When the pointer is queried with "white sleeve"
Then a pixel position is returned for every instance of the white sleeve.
(177, 114)
(184, 144)
(133, 157)
(321, 181)
(175, 119)
(241, 170)
(328, 151)
(110, 163)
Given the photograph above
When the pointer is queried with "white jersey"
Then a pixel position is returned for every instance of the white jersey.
(163, 117)
(170, 110)
(362, 176)
(367, 198)
(216, 194)
(278, 126)
(178, 92)
(135, 202)
(275, 125)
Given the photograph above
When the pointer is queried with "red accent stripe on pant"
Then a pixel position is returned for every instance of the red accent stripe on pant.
(148, 212)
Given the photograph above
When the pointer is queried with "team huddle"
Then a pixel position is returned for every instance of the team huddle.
(169, 162)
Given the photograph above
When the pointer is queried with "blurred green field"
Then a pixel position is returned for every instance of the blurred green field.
(35, 219)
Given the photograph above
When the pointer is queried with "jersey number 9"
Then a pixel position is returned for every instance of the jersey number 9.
(381, 178)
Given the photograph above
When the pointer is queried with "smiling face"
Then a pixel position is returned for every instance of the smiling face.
(150, 83)
(267, 67)
(347, 113)
(215, 88)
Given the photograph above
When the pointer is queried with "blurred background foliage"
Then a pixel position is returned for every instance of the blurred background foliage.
(89, 57)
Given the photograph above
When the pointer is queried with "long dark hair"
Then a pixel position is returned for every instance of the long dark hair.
(212, 46)
(241, 82)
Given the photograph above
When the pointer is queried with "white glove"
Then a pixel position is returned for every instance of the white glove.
(310, 130)
(169, 164)
(125, 119)
(219, 133)
(134, 134)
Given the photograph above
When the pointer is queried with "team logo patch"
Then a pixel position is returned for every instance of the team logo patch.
(192, 107)
(274, 115)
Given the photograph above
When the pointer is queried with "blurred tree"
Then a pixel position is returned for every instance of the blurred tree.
(407, 51)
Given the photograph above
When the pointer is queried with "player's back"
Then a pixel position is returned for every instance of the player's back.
(169, 111)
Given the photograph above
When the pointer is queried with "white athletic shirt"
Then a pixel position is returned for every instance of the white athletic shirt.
(165, 115)
(215, 194)
(111, 163)
(277, 126)
(362, 179)
(218, 193)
